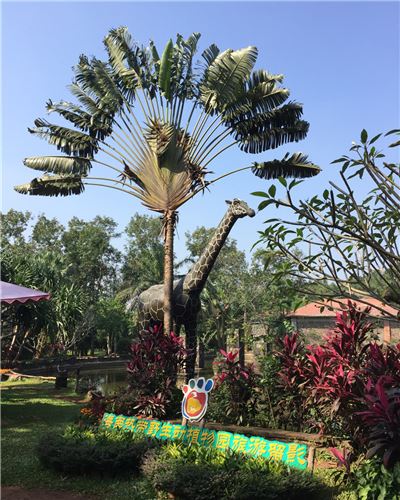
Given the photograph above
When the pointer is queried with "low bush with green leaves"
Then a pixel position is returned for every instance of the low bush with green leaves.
(371, 480)
(206, 474)
(82, 451)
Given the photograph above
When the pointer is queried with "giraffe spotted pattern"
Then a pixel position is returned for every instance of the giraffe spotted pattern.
(187, 290)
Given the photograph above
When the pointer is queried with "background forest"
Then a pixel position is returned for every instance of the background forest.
(94, 285)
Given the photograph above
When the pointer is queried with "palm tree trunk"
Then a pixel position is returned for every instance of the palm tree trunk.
(169, 221)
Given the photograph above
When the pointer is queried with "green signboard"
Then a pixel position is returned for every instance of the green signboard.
(293, 454)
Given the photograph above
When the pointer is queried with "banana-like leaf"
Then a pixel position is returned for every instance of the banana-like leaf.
(52, 185)
(210, 54)
(285, 116)
(164, 78)
(59, 164)
(261, 99)
(297, 165)
(225, 77)
(99, 124)
(257, 142)
(124, 57)
(65, 139)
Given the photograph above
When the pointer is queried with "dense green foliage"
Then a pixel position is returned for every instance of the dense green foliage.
(78, 266)
(201, 474)
(82, 451)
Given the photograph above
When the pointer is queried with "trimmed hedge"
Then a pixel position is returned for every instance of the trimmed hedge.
(199, 474)
(101, 452)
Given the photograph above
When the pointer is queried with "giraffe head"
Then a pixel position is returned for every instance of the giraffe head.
(240, 208)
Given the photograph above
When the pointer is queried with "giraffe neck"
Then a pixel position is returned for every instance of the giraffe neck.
(198, 274)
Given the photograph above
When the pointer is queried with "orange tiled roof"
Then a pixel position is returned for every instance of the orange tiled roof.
(313, 309)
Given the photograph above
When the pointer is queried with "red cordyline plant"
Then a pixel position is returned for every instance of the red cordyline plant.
(153, 368)
(350, 384)
(240, 385)
(155, 359)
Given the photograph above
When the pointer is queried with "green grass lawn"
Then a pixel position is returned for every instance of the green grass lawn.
(33, 408)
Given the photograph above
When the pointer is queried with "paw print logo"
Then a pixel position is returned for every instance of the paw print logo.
(195, 399)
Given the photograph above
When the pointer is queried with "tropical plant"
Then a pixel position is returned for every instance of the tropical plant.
(225, 475)
(236, 394)
(83, 451)
(75, 265)
(347, 386)
(152, 371)
(370, 480)
(131, 110)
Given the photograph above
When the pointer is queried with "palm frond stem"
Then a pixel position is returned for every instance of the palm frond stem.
(200, 124)
(188, 123)
(203, 143)
(136, 137)
(119, 153)
(109, 180)
(210, 146)
(181, 113)
(130, 152)
(120, 160)
(108, 166)
(111, 187)
(137, 146)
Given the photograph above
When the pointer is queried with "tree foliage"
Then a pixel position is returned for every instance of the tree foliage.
(353, 242)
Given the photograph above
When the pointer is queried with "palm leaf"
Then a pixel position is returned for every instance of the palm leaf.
(59, 164)
(134, 66)
(52, 185)
(225, 77)
(297, 165)
(257, 142)
(65, 139)
(210, 54)
(99, 124)
(164, 77)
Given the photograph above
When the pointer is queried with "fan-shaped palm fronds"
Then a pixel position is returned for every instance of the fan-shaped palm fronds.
(131, 116)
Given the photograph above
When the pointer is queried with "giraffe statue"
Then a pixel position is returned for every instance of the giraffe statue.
(187, 290)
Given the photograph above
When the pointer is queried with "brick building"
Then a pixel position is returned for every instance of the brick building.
(314, 323)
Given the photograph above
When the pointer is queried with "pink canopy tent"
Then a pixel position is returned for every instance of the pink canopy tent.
(15, 294)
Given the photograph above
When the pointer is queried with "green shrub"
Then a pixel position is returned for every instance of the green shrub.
(199, 473)
(372, 481)
(123, 346)
(80, 451)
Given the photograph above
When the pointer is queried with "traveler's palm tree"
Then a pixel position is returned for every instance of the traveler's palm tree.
(158, 122)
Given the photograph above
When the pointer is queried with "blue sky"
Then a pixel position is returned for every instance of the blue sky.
(340, 59)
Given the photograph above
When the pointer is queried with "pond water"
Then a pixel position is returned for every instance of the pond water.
(107, 380)
(111, 380)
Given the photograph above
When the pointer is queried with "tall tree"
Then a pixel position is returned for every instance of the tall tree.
(143, 260)
(47, 233)
(13, 226)
(162, 121)
(91, 258)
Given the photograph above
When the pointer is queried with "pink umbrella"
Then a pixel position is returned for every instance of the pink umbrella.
(15, 294)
